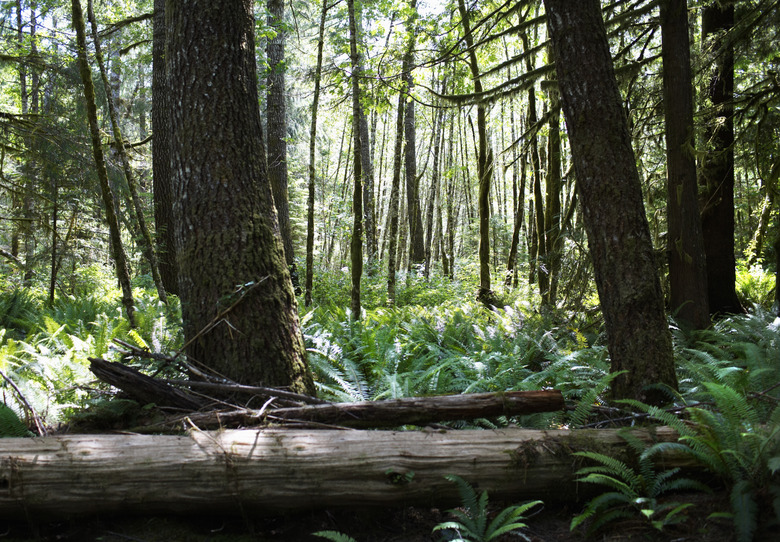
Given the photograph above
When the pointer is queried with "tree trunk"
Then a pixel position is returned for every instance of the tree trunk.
(685, 245)
(147, 245)
(438, 129)
(552, 215)
(161, 156)
(309, 282)
(717, 168)
(277, 130)
(610, 191)
(117, 250)
(238, 307)
(414, 211)
(270, 472)
(484, 167)
(356, 247)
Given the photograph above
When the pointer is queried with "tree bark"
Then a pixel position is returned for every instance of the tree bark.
(717, 168)
(239, 310)
(309, 282)
(356, 246)
(117, 250)
(275, 471)
(685, 244)
(161, 156)
(147, 244)
(610, 192)
(484, 168)
(277, 130)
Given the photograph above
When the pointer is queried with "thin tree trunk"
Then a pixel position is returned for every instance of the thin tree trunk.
(147, 244)
(685, 244)
(312, 148)
(356, 249)
(438, 128)
(394, 199)
(484, 168)
(118, 251)
(610, 192)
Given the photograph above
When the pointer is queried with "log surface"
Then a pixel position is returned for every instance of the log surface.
(276, 470)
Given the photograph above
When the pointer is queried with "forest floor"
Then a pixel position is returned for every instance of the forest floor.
(392, 525)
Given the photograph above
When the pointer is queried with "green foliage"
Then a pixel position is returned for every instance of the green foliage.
(449, 348)
(634, 492)
(755, 286)
(471, 524)
(11, 425)
(334, 536)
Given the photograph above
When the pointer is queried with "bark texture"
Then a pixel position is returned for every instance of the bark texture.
(356, 244)
(238, 306)
(161, 156)
(610, 193)
(277, 128)
(275, 471)
(717, 171)
(687, 264)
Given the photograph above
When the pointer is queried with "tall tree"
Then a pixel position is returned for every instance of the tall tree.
(356, 247)
(484, 168)
(685, 245)
(611, 196)
(277, 129)
(117, 249)
(309, 282)
(161, 156)
(238, 305)
(145, 239)
(717, 169)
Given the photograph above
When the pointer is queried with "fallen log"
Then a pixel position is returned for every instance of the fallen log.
(388, 413)
(425, 410)
(141, 387)
(273, 471)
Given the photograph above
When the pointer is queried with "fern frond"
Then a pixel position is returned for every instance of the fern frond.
(585, 405)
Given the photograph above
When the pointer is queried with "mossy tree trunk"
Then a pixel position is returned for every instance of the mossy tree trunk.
(717, 168)
(309, 281)
(145, 238)
(610, 192)
(685, 244)
(238, 306)
(484, 167)
(277, 129)
(117, 250)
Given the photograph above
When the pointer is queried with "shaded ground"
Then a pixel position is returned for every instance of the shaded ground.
(394, 525)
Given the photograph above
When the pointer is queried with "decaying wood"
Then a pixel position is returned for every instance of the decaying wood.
(389, 413)
(277, 470)
(426, 410)
(375, 414)
(141, 387)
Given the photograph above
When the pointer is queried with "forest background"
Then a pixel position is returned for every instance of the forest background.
(468, 195)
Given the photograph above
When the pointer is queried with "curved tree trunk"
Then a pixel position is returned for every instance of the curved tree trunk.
(119, 144)
(117, 250)
(612, 204)
(239, 310)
